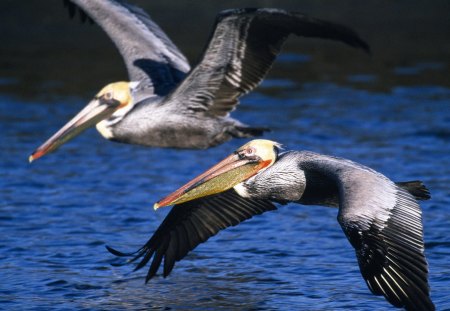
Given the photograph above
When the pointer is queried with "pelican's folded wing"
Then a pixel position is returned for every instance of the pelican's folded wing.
(189, 224)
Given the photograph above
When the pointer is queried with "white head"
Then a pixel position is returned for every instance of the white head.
(107, 108)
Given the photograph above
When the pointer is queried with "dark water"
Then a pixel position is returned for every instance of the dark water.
(58, 213)
(390, 112)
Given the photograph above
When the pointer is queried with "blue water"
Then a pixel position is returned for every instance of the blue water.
(57, 214)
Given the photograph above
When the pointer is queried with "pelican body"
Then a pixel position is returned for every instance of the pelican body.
(165, 103)
(381, 218)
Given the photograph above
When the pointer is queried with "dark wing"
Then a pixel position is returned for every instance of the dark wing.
(383, 223)
(416, 188)
(241, 49)
(149, 55)
(189, 224)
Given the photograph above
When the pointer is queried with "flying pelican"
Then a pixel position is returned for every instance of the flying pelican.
(381, 219)
(166, 104)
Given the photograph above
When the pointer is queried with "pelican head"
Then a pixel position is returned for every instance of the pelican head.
(106, 108)
(245, 162)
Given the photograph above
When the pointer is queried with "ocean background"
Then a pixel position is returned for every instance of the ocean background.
(389, 110)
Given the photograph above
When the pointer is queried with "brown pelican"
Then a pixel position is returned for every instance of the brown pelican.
(381, 219)
(168, 105)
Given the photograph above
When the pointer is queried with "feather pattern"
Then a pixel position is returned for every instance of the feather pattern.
(190, 224)
(241, 50)
(381, 219)
(390, 251)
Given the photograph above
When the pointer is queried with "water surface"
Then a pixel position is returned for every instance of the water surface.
(57, 214)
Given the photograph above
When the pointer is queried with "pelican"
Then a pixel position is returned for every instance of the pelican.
(165, 103)
(381, 218)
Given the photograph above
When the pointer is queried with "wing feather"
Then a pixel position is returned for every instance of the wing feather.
(192, 223)
(385, 228)
(169, 259)
(242, 48)
(383, 222)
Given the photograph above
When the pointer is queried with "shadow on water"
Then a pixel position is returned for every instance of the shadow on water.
(389, 111)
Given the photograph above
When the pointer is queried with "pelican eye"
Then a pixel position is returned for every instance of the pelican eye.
(250, 151)
(108, 95)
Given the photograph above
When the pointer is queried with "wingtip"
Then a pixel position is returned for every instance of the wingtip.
(115, 252)
(247, 131)
(417, 188)
(149, 277)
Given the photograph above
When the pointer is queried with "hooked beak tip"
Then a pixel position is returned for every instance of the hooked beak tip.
(93, 113)
(156, 206)
(36, 155)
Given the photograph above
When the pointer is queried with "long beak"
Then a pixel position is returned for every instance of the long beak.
(93, 113)
(221, 177)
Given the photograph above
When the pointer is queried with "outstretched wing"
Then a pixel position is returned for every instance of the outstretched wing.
(383, 223)
(241, 49)
(149, 55)
(189, 224)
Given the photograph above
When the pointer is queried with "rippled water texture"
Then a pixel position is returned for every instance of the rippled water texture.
(57, 214)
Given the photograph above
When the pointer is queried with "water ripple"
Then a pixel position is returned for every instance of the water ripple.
(56, 215)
